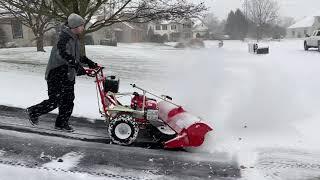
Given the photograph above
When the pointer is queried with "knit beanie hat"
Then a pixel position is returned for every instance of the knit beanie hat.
(74, 20)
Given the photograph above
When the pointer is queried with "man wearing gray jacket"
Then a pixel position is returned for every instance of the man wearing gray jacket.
(63, 66)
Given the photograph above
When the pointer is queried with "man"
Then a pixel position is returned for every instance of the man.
(63, 66)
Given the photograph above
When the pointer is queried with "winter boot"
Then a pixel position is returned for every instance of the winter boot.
(34, 120)
(64, 127)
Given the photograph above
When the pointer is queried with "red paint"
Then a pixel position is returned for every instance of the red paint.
(137, 102)
(175, 111)
(191, 130)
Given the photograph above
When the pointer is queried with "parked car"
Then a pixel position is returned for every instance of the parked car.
(312, 41)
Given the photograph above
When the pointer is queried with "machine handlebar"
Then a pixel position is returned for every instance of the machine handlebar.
(94, 72)
(163, 97)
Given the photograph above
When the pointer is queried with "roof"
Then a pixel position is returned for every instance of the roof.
(199, 25)
(128, 25)
(195, 22)
(185, 20)
(306, 22)
(165, 22)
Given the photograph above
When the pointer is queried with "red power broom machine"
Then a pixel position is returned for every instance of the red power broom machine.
(165, 120)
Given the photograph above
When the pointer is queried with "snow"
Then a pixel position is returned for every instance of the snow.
(21, 173)
(260, 106)
(2, 152)
(69, 161)
(129, 25)
(248, 159)
(199, 25)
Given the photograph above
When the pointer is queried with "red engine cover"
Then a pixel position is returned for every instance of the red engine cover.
(137, 101)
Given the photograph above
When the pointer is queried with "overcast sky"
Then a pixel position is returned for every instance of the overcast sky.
(294, 8)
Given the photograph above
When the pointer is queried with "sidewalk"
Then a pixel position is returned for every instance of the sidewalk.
(91, 130)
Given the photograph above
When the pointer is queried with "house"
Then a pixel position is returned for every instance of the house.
(305, 26)
(172, 30)
(199, 30)
(14, 31)
(183, 29)
(120, 32)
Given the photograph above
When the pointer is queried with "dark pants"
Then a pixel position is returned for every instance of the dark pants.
(61, 95)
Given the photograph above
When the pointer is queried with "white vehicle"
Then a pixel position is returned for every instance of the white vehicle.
(312, 41)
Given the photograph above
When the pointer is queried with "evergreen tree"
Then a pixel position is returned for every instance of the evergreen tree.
(229, 27)
(237, 25)
(241, 25)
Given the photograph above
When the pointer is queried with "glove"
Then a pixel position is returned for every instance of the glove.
(72, 64)
(92, 65)
(81, 71)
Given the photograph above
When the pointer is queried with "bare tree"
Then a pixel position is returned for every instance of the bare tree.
(262, 13)
(37, 22)
(212, 22)
(103, 13)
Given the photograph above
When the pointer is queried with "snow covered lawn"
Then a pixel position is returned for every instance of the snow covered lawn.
(254, 102)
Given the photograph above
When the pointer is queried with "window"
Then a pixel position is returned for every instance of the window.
(318, 34)
(173, 27)
(164, 27)
(16, 29)
(185, 26)
(158, 27)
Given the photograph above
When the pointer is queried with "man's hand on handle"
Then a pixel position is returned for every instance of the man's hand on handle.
(92, 72)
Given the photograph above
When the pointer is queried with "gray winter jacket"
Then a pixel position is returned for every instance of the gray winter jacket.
(65, 52)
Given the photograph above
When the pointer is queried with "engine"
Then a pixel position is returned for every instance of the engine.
(137, 102)
(111, 84)
(150, 107)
